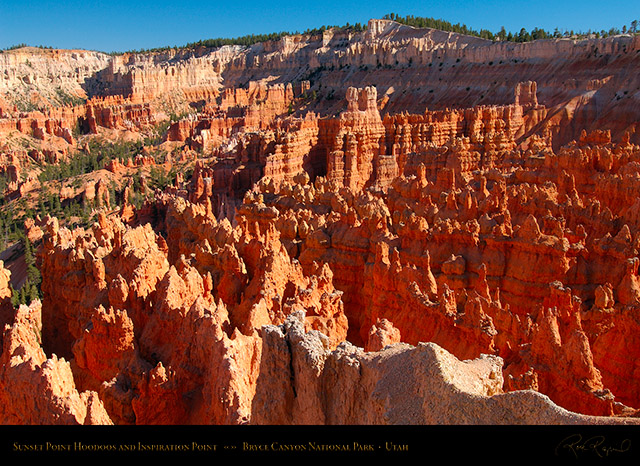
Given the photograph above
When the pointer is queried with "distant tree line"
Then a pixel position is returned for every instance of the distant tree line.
(522, 36)
(416, 21)
(250, 39)
(19, 46)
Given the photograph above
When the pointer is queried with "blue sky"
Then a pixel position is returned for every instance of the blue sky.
(119, 25)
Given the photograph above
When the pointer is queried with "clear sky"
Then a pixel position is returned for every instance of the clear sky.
(120, 25)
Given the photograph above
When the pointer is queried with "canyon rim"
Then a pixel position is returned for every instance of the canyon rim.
(381, 225)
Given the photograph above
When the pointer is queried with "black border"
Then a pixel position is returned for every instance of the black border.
(566, 443)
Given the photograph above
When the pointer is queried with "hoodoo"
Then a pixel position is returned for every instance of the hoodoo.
(394, 225)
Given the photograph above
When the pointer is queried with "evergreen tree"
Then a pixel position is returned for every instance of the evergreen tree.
(3, 241)
(57, 205)
(33, 293)
(30, 290)
(15, 297)
(112, 196)
(23, 295)
(42, 209)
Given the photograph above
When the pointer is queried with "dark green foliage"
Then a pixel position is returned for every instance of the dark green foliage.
(19, 46)
(522, 36)
(4, 182)
(160, 179)
(113, 201)
(159, 134)
(30, 289)
(14, 47)
(73, 212)
(244, 40)
(442, 25)
(81, 163)
(10, 228)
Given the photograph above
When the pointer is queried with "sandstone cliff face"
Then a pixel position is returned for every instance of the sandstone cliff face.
(407, 65)
(476, 260)
(563, 86)
(45, 77)
(400, 204)
(164, 337)
(27, 370)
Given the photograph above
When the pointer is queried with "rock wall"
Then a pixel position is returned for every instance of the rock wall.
(398, 204)
(495, 264)
(48, 77)
(27, 370)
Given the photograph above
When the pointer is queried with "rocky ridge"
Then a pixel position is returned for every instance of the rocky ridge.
(465, 222)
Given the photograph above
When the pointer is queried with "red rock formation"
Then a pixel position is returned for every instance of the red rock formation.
(357, 143)
(518, 255)
(130, 327)
(478, 196)
(26, 370)
(116, 112)
(382, 334)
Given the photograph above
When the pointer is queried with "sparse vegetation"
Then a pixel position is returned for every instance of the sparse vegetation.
(19, 46)
(69, 99)
(74, 212)
(159, 133)
(26, 106)
(248, 40)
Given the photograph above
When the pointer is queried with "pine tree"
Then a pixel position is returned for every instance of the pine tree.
(57, 207)
(33, 293)
(15, 297)
(23, 295)
(112, 196)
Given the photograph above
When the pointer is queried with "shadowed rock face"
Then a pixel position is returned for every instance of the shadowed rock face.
(399, 226)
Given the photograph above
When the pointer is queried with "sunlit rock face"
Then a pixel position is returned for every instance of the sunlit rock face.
(398, 226)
